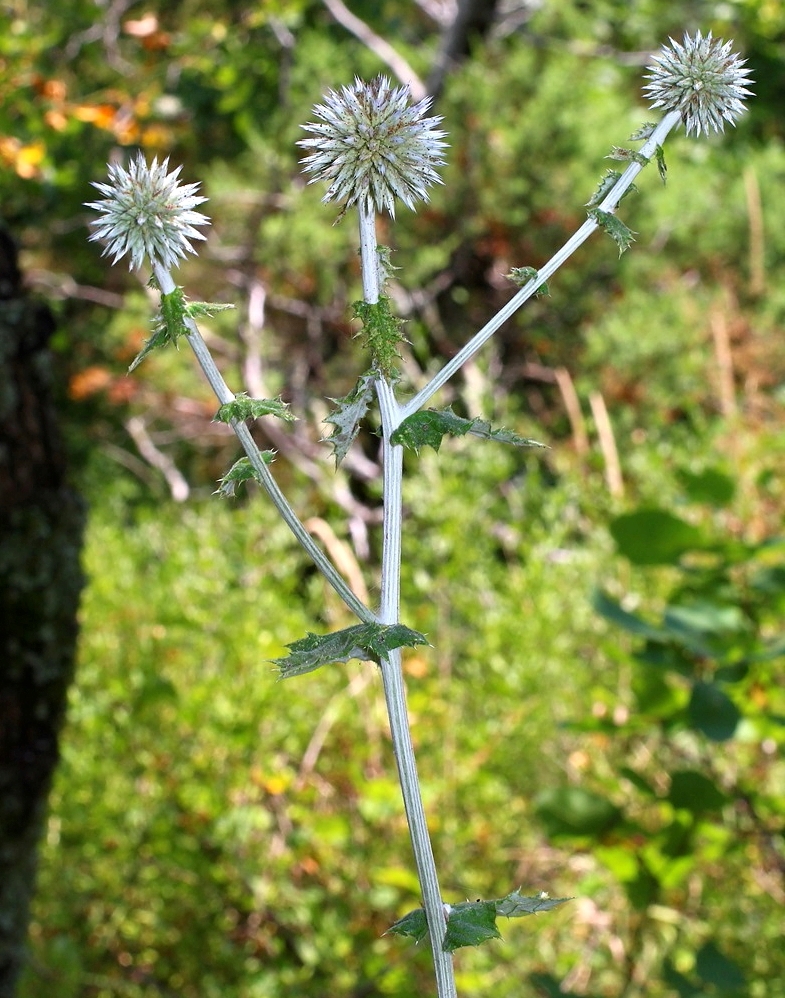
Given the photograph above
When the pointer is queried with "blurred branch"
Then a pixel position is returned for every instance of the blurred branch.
(608, 447)
(724, 357)
(178, 486)
(106, 30)
(441, 11)
(757, 240)
(573, 407)
(381, 48)
(295, 444)
(63, 286)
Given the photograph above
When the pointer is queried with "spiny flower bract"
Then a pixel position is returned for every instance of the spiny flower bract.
(702, 79)
(147, 211)
(372, 145)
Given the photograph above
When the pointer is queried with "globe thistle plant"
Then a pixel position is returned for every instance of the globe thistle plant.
(702, 79)
(372, 145)
(147, 212)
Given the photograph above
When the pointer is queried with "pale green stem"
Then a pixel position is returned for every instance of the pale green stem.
(224, 395)
(610, 203)
(389, 613)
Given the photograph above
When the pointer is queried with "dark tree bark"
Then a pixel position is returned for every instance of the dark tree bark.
(473, 21)
(41, 525)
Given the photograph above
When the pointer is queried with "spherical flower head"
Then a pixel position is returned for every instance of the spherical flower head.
(147, 212)
(702, 79)
(373, 145)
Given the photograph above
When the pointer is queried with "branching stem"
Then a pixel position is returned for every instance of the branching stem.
(224, 395)
(609, 204)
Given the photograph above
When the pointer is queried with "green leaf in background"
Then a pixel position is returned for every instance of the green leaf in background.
(620, 860)
(654, 536)
(243, 408)
(716, 969)
(575, 811)
(705, 617)
(682, 985)
(703, 628)
(347, 417)
(655, 697)
(241, 471)
(427, 428)
(770, 579)
(548, 986)
(712, 712)
(710, 486)
(695, 792)
(630, 622)
(367, 642)
(616, 229)
(637, 781)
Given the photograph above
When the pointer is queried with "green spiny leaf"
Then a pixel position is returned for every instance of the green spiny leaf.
(241, 471)
(644, 132)
(615, 228)
(522, 275)
(168, 325)
(159, 338)
(627, 155)
(473, 922)
(427, 428)
(604, 188)
(470, 924)
(347, 417)
(384, 260)
(515, 905)
(661, 167)
(243, 408)
(367, 642)
(200, 309)
(414, 924)
(606, 185)
(381, 333)
(173, 312)
(170, 322)
(482, 428)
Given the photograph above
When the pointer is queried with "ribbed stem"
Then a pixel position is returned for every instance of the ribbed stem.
(389, 613)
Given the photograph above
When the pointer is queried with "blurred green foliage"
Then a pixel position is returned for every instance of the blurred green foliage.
(214, 832)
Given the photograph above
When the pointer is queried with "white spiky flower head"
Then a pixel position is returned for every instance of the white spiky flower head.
(702, 79)
(147, 212)
(373, 145)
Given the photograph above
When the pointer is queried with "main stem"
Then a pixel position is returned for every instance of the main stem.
(389, 613)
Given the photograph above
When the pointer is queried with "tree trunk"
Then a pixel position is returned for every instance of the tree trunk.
(473, 21)
(41, 525)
